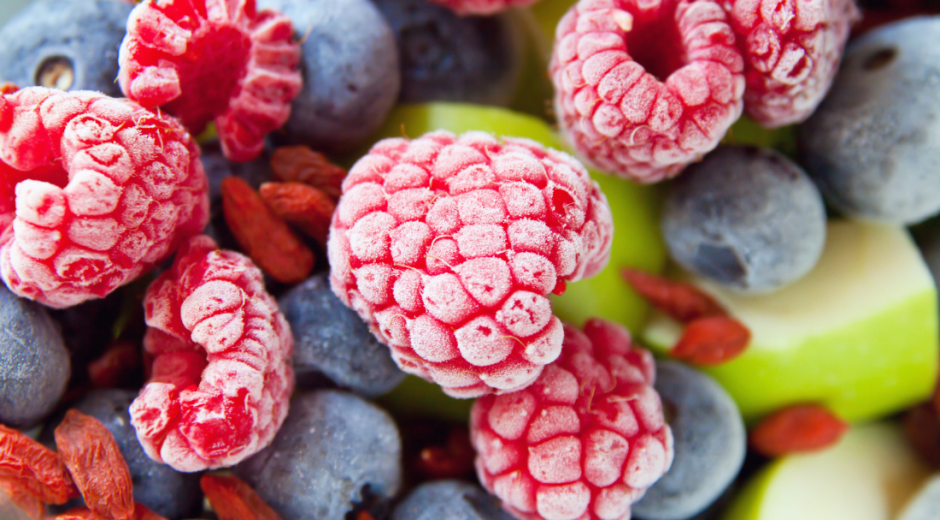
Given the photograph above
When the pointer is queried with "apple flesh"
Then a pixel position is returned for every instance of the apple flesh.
(869, 475)
(858, 334)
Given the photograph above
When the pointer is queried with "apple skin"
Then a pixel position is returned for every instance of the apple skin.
(876, 363)
(869, 475)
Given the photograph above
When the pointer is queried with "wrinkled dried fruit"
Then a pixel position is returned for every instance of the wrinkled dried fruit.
(112, 368)
(22, 498)
(797, 429)
(233, 499)
(301, 205)
(301, 164)
(922, 426)
(452, 460)
(264, 237)
(682, 301)
(79, 513)
(35, 468)
(8, 88)
(95, 462)
(142, 513)
(711, 341)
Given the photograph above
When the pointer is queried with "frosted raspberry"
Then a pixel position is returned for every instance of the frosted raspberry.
(449, 246)
(584, 441)
(93, 192)
(483, 7)
(645, 87)
(792, 50)
(213, 60)
(222, 373)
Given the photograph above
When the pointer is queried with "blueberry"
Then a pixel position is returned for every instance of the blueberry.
(332, 340)
(350, 69)
(446, 57)
(65, 44)
(336, 452)
(748, 218)
(34, 363)
(449, 500)
(925, 505)
(873, 145)
(710, 444)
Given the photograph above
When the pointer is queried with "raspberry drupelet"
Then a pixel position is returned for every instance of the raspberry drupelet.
(449, 246)
(222, 374)
(482, 7)
(585, 440)
(94, 191)
(213, 60)
(792, 51)
(643, 88)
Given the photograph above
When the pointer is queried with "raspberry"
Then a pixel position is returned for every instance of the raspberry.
(448, 246)
(644, 88)
(791, 51)
(221, 60)
(94, 192)
(482, 7)
(222, 375)
(585, 440)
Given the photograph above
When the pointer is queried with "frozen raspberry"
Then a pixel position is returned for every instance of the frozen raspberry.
(93, 192)
(449, 246)
(643, 88)
(483, 7)
(584, 441)
(222, 375)
(791, 53)
(213, 60)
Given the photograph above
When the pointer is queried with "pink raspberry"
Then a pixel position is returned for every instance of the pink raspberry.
(94, 192)
(483, 7)
(791, 52)
(643, 88)
(448, 247)
(584, 441)
(222, 373)
(221, 60)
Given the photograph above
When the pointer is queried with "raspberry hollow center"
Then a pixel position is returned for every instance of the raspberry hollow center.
(654, 42)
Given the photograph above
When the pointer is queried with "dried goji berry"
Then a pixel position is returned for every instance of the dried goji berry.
(711, 341)
(233, 499)
(35, 468)
(301, 164)
(99, 470)
(27, 502)
(113, 367)
(79, 513)
(453, 460)
(263, 236)
(682, 301)
(796, 429)
(364, 515)
(304, 206)
(142, 513)
(8, 88)
(922, 426)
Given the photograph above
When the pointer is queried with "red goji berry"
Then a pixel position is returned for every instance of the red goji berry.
(303, 206)
(79, 513)
(27, 502)
(34, 468)
(233, 499)
(142, 513)
(301, 164)
(99, 470)
(797, 429)
(711, 341)
(453, 460)
(682, 301)
(8, 88)
(112, 368)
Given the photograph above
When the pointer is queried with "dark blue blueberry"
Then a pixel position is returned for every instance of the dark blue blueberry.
(350, 69)
(925, 505)
(332, 340)
(446, 57)
(449, 500)
(65, 44)
(336, 452)
(34, 363)
(748, 218)
(710, 444)
(873, 145)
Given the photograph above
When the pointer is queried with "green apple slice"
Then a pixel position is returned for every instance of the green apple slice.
(857, 334)
(869, 475)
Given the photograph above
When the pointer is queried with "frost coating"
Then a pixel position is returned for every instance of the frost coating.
(94, 192)
(222, 374)
(643, 88)
(449, 246)
(583, 442)
(483, 7)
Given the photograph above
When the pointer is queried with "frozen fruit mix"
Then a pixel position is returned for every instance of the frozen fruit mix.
(439, 254)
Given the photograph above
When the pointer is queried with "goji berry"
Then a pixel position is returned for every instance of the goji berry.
(34, 468)
(8, 88)
(263, 236)
(682, 301)
(99, 470)
(79, 513)
(304, 206)
(364, 515)
(301, 164)
(112, 368)
(232, 499)
(797, 429)
(27, 502)
(711, 341)
(922, 426)
(142, 513)
(452, 460)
